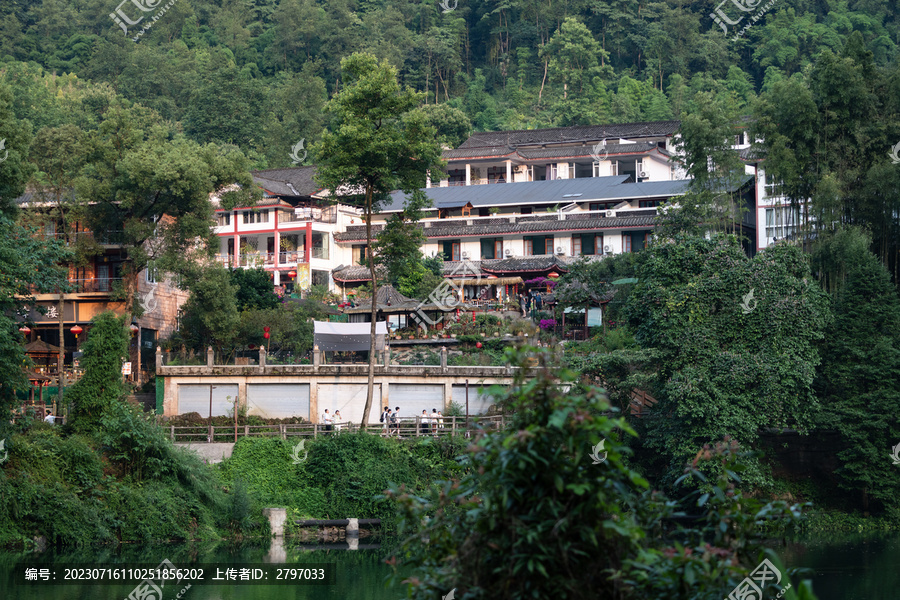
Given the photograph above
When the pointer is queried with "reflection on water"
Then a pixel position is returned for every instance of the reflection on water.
(361, 574)
(843, 567)
(849, 566)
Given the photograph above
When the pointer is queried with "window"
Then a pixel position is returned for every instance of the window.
(548, 245)
(484, 212)
(50, 228)
(451, 250)
(455, 251)
(526, 210)
(498, 248)
(576, 245)
(552, 172)
(773, 189)
(602, 205)
(626, 242)
(253, 216)
(360, 254)
(152, 273)
(649, 203)
(781, 222)
(225, 219)
(529, 247)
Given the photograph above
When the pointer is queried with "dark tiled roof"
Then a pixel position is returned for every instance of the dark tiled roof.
(562, 135)
(526, 264)
(522, 155)
(559, 191)
(294, 181)
(461, 229)
(354, 273)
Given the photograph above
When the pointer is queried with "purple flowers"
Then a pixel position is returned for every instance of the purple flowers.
(547, 324)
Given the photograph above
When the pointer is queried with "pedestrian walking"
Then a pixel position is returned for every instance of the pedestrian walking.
(337, 420)
(424, 423)
(440, 420)
(327, 420)
(395, 420)
(386, 420)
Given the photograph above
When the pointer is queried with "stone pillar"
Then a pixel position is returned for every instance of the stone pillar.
(353, 529)
(387, 356)
(277, 517)
(468, 174)
(443, 357)
(209, 357)
(509, 171)
(262, 358)
(159, 359)
(317, 357)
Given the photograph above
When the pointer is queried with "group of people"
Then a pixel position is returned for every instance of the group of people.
(391, 421)
(530, 300)
(332, 422)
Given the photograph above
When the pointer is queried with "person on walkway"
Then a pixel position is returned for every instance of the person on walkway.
(522, 304)
(539, 301)
(337, 420)
(424, 423)
(440, 419)
(395, 420)
(386, 420)
(327, 420)
(434, 421)
(50, 418)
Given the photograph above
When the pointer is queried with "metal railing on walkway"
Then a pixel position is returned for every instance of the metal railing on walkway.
(406, 428)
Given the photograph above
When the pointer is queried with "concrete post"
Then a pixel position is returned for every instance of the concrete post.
(277, 518)
(159, 359)
(317, 357)
(443, 357)
(353, 528)
(387, 356)
(209, 357)
(262, 357)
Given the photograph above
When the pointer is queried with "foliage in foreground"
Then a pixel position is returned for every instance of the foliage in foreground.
(536, 518)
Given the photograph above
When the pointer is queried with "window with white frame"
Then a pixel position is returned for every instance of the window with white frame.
(152, 273)
(773, 188)
(781, 222)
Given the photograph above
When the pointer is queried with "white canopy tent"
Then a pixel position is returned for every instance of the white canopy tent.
(344, 337)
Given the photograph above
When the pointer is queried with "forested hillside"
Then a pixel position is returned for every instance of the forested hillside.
(257, 72)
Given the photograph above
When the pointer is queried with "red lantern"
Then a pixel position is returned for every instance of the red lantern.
(553, 275)
(266, 330)
(251, 346)
(292, 273)
(76, 329)
(478, 344)
(25, 330)
(266, 335)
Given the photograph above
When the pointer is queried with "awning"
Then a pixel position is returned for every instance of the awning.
(344, 337)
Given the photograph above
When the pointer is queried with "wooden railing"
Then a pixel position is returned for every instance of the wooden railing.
(407, 428)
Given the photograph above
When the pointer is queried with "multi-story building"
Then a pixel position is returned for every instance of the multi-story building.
(95, 281)
(289, 232)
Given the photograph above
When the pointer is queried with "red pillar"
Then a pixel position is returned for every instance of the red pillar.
(308, 241)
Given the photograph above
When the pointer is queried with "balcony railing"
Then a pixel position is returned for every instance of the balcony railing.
(291, 257)
(83, 286)
(327, 214)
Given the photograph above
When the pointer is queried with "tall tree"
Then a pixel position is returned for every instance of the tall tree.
(860, 372)
(377, 142)
(151, 190)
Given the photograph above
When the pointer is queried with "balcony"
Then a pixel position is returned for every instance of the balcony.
(97, 285)
(292, 257)
(320, 252)
(309, 213)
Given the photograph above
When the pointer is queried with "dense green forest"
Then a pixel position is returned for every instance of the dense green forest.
(256, 73)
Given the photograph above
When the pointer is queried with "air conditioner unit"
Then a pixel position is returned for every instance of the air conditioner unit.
(521, 168)
(610, 213)
(465, 255)
(559, 250)
(606, 249)
(507, 252)
(642, 174)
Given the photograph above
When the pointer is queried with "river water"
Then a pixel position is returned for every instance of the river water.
(842, 567)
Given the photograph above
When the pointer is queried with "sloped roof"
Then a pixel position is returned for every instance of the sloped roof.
(571, 151)
(564, 135)
(293, 181)
(39, 346)
(456, 228)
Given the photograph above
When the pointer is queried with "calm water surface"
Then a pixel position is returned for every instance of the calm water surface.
(842, 567)
(361, 573)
